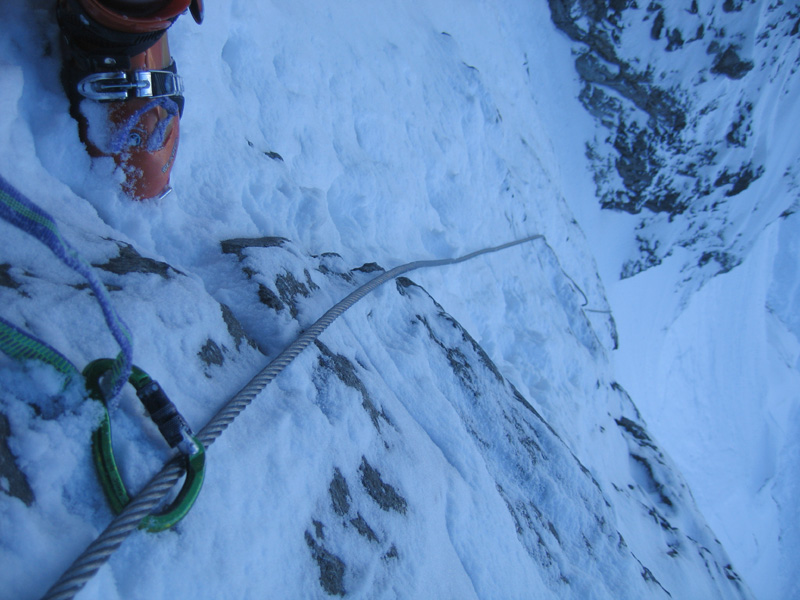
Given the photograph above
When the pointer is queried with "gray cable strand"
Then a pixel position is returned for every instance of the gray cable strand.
(100, 550)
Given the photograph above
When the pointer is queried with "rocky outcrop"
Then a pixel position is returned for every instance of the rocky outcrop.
(618, 92)
(563, 516)
(729, 63)
(431, 451)
(14, 482)
(659, 78)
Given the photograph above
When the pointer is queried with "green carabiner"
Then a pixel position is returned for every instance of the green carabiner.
(175, 431)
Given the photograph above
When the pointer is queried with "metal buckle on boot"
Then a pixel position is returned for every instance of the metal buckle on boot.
(155, 84)
(106, 87)
(119, 85)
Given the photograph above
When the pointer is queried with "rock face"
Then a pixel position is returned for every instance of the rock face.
(16, 484)
(675, 89)
(410, 455)
(566, 519)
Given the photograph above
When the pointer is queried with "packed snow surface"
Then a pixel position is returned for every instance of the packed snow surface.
(461, 435)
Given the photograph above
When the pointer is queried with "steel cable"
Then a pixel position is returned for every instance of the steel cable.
(100, 550)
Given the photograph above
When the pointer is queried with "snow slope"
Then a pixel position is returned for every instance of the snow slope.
(409, 453)
(708, 343)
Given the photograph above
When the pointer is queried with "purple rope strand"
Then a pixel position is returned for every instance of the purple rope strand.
(30, 218)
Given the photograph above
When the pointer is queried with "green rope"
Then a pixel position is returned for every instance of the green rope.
(22, 346)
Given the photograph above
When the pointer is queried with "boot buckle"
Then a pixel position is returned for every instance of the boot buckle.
(119, 85)
(106, 87)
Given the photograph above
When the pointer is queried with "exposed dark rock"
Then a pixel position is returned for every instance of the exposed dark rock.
(383, 494)
(732, 5)
(552, 529)
(363, 528)
(340, 493)
(269, 298)
(663, 107)
(369, 268)
(6, 280)
(636, 430)
(329, 261)
(745, 177)
(331, 567)
(235, 328)
(346, 372)
(664, 161)
(729, 63)
(267, 153)
(211, 354)
(237, 245)
(458, 362)
(661, 520)
(675, 38)
(700, 33)
(319, 529)
(517, 522)
(647, 575)
(649, 256)
(617, 6)
(534, 449)
(594, 70)
(638, 146)
(130, 261)
(602, 106)
(524, 402)
(18, 485)
(85, 286)
(741, 130)
(725, 260)
(741, 180)
(658, 26)
(289, 288)
(637, 164)
(731, 574)
(601, 65)
(655, 485)
(454, 355)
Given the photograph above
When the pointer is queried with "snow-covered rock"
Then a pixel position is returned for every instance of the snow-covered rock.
(691, 98)
(458, 433)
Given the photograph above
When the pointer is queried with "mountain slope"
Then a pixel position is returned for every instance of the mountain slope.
(694, 102)
(476, 445)
(694, 155)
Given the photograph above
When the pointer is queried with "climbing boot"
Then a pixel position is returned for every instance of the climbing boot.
(123, 85)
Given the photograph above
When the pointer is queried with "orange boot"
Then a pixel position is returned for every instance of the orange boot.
(117, 56)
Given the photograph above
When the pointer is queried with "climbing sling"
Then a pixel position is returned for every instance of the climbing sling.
(104, 378)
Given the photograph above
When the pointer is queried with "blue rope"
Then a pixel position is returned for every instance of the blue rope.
(30, 218)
